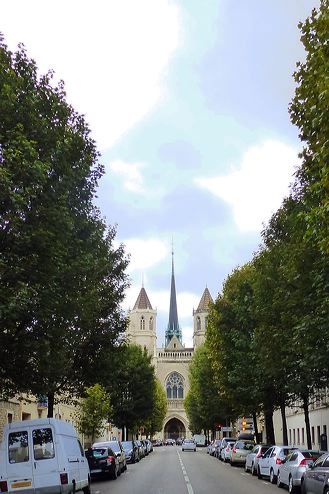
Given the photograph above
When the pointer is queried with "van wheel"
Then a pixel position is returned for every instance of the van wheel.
(87, 490)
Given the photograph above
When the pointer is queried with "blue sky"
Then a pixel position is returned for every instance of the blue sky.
(188, 102)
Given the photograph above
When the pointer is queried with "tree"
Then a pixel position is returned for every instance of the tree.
(309, 111)
(61, 279)
(94, 410)
(155, 421)
(203, 405)
(131, 387)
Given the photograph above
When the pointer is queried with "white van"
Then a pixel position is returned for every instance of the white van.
(42, 456)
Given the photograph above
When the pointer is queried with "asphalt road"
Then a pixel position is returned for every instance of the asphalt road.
(168, 470)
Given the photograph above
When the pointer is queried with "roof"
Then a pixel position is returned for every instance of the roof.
(142, 301)
(205, 301)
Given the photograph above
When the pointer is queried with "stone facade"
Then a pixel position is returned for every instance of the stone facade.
(172, 362)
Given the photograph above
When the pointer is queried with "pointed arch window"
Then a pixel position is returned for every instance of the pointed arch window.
(198, 323)
(142, 325)
(175, 386)
(151, 324)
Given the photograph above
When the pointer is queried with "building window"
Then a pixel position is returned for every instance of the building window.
(294, 437)
(303, 436)
(298, 436)
(198, 324)
(175, 387)
(318, 430)
(312, 433)
(142, 323)
(325, 429)
(151, 324)
(26, 416)
(289, 436)
(9, 418)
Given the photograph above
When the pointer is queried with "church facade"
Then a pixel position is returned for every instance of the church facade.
(171, 362)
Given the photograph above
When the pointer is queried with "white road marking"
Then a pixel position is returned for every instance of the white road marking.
(187, 480)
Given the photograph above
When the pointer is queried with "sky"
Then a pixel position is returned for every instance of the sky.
(187, 101)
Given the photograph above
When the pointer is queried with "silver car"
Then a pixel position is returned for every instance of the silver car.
(188, 445)
(253, 456)
(271, 460)
(294, 467)
(239, 452)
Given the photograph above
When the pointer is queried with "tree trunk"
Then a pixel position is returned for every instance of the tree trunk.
(284, 421)
(270, 437)
(51, 400)
(254, 417)
(307, 421)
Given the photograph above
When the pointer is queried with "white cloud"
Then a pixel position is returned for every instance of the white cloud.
(111, 54)
(256, 188)
(133, 180)
(187, 332)
(145, 253)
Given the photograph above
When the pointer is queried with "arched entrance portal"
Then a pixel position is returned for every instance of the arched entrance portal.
(174, 429)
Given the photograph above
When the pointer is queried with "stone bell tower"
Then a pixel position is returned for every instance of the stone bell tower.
(200, 316)
(142, 324)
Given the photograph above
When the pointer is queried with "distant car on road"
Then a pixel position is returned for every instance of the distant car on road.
(170, 442)
(188, 445)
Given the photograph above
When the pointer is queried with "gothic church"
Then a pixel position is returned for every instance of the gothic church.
(171, 363)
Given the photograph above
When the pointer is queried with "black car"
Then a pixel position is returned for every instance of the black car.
(116, 446)
(103, 461)
(131, 451)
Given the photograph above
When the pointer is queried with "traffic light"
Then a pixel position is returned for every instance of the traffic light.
(244, 423)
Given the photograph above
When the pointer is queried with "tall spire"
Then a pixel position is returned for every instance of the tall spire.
(173, 328)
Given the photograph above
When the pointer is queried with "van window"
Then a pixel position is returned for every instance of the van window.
(43, 444)
(18, 447)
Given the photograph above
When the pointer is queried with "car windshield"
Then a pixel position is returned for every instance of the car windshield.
(100, 452)
(115, 446)
(311, 455)
(127, 444)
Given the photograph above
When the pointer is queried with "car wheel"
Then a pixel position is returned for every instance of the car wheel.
(272, 477)
(87, 489)
(291, 487)
(115, 473)
(259, 475)
(246, 469)
(253, 469)
(182, 449)
(232, 463)
(278, 480)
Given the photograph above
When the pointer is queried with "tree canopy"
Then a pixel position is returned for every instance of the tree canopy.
(61, 279)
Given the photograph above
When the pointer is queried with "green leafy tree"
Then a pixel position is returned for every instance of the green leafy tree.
(203, 405)
(94, 411)
(131, 386)
(155, 421)
(61, 279)
(309, 111)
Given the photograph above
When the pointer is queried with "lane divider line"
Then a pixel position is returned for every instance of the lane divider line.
(187, 480)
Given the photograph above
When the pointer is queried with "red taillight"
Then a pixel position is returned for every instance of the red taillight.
(3, 486)
(109, 459)
(278, 461)
(227, 449)
(234, 450)
(304, 461)
(64, 479)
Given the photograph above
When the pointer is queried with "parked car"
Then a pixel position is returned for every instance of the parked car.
(150, 445)
(131, 451)
(223, 445)
(141, 449)
(239, 451)
(217, 448)
(118, 450)
(35, 456)
(270, 461)
(294, 467)
(253, 456)
(211, 448)
(188, 445)
(226, 452)
(315, 479)
(146, 446)
(103, 461)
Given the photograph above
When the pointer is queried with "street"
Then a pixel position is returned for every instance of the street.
(168, 470)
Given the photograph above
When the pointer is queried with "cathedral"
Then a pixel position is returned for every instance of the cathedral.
(171, 362)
